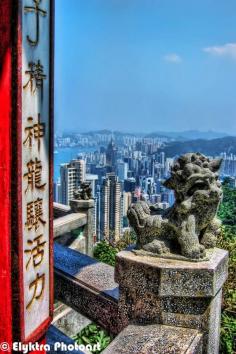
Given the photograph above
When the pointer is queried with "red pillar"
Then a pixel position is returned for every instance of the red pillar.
(5, 172)
(13, 312)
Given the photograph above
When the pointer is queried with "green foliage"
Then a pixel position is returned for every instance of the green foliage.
(105, 253)
(228, 334)
(227, 212)
(129, 238)
(93, 334)
(77, 232)
(227, 240)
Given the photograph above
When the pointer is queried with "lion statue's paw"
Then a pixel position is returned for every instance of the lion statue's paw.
(195, 252)
(156, 246)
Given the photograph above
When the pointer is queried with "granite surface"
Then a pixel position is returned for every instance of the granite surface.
(88, 287)
(156, 339)
(168, 277)
(86, 270)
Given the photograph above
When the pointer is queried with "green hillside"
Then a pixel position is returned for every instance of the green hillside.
(227, 214)
(208, 147)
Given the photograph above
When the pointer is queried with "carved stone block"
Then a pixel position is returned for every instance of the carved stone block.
(173, 292)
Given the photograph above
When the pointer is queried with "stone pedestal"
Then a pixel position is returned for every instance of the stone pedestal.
(86, 206)
(173, 292)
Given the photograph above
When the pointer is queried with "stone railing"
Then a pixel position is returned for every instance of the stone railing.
(74, 217)
(60, 210)
(87, 286)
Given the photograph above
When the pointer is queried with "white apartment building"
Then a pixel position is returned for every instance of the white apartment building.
(72, 175)
(111, 208)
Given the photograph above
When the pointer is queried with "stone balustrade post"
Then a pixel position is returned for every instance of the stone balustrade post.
(86, 206)
(173, 292)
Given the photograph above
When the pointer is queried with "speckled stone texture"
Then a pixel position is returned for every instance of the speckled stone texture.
(173, 292)
(156, 339)
(87, 286)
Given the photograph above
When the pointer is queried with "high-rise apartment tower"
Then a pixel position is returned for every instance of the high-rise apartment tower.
(72, 175)
(111, 208)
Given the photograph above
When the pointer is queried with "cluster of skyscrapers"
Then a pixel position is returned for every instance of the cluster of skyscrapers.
(120, 175)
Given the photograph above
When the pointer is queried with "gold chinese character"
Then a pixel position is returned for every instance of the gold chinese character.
(36, 76)
(36, 253)
(35, 214)
(37, 292)
(37, 12)
(34, 131)
(34, 175)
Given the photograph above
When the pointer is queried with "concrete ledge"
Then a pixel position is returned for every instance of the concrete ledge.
(60, 209)
(68, 223)
(156, 339)
(80, 205)
(87, 286)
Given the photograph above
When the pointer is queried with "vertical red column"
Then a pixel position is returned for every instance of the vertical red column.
(26, 170)
(5, 172)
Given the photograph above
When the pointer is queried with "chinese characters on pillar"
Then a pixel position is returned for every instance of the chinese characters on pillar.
(37, 11)
(35, 160)
(35, 77)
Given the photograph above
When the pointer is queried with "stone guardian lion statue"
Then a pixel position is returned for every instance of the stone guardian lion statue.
(190, 226)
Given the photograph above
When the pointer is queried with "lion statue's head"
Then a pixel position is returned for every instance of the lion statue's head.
(194, 173)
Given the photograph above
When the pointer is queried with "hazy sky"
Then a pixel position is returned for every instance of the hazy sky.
(145, 65)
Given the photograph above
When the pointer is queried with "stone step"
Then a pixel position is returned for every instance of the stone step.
(59, 308)
(70, 322)
(156, 339)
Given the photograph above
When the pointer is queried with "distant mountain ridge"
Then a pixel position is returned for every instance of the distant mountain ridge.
(211, 147)
(190, 135)
(111, 132)
(180, 136)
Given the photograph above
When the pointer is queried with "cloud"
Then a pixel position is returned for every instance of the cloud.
(226, 50)
(173, 58)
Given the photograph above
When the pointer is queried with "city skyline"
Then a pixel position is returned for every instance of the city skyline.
(145, 65)
(122, 174)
